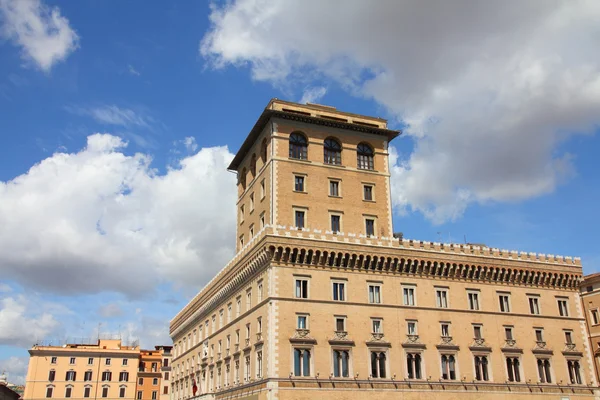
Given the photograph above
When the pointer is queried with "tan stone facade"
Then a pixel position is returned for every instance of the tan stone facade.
(590, 301)
(106, 370)
(322, 300)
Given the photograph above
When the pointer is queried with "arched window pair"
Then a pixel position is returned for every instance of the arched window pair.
(332, 151)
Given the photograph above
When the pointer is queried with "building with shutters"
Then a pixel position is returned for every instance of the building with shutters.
(323, 300)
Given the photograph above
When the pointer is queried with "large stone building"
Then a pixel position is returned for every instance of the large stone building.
(590, 300)
(107, 369)
(321, 299)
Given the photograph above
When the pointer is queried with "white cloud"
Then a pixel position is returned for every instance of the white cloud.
(489, 91)
(132, 70)
(24, 322)
(43, 33)
(114, 115)
(190, 144)
(15, 368)
(101, 220)
(313, 94)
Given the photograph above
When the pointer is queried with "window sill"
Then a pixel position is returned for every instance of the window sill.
(299, 159)
(335, 197)
(300, 191)
(369, 201)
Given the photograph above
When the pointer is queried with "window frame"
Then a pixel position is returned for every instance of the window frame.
(475, 293)
(565, 300)
(375, 285)
(501, 303)
(302, 295)
(335, 182)
(364, 192)
(339, 215)
(296, 210)
(298, 146)
(334, 292)
(534, 303)
(408, 286)
(365, 157)
(332, 149)
(443, 301)
(303, 179)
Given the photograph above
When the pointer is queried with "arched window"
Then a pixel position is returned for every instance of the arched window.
(364, 156)
(332, 152)
(263, 151)
(243, 179)
(298, 146)
(253, 165)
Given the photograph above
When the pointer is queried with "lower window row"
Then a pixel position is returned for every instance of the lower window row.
(379, 365)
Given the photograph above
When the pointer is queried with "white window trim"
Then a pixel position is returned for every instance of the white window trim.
(490, 369)
(372, 184)
(456, 365)
(387, 360)
(378, 284)
(539, 303)
(305, 183)
(350, 361)
(303, 209)
(312, 361)
(478, 293)
(301, 277)
(508, 294)
(339, 214)
(446, 290)
(380, 319)
(336, 317)
(303, 314)
(339, 182)
(375, 224)
(406, 352)
(416, 322)
(345, 282)
(409, 286)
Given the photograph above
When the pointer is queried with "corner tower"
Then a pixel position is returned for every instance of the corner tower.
(312, 167)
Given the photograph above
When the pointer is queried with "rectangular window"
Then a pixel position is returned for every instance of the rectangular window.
(544, 372)
(123, 376)
(513, 369)
(568, 337)
(302, 361)
(334, 188)
(107, 361)
(473, 298)
(165, 390)
(368, 192)
(262, 189)
(413, 365)
(377, 324)
(122, 392)
(260, 292)
(595, 317)
(154, 395)
(86, 392)
(563, 309)
(87, 376)
(340, 324)
(441, 298)
(481, 368)
(504, 300)
(445, 329)
(302, 322)
(90, 361)
(70, 376)
(251, 202)
(242, 213)
(124, 361)
(508, 333)
(49, 391)
(339, 291)
(375, 294)
(378, 364)
(411, 327)
(229, 313)
(298, 183)
(448, 367)
(408, 294)
(299, 219)
(251, 232)
(72, 360)
(341, 361)
(370, 227)
(155, 381)
(539, 335)
(302, 288)
(262, 220)
(104, 392)
(51, 375)
(335, 223)
(53, 360)
(239, 307)
(477, 332)
(259, 365)
(106, 376)
(139, 395)
(534, 305)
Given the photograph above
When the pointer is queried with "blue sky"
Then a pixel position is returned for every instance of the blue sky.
(118, 120)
